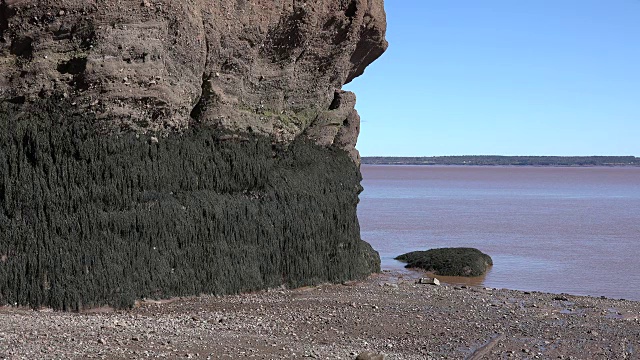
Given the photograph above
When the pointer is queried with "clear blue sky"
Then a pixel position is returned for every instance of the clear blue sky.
(504, 77)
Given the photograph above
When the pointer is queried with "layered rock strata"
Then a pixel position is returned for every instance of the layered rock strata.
(266, 67)
(165, 148)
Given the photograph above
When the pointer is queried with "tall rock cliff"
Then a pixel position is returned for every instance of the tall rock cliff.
(159, 148)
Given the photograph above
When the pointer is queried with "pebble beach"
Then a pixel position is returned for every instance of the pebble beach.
(389, 314)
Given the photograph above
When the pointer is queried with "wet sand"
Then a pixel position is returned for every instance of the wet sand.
(387, 313)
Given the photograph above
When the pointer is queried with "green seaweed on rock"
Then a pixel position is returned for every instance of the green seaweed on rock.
(88, 219)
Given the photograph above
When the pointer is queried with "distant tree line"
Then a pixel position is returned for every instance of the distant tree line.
(506, 160)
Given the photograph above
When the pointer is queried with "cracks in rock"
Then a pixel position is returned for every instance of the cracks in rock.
(205, 95)
(337, 99)
(206, 91)
(5, 14)
(22, 47)
(351, 10)
(18, 100)
(74, 66)
(302, 53)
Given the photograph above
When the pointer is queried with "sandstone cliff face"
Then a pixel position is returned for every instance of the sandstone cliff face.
(268, 67)
(157, 148)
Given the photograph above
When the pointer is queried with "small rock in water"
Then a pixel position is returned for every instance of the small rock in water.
(449, 261)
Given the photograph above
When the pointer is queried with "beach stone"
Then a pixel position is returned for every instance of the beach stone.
(370, 355)
(428, 281)
(449, 261)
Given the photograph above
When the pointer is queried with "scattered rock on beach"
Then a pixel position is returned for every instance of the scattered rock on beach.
(370, 355)
(428, 281)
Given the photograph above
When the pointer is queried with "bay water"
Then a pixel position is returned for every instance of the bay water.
(553, 229)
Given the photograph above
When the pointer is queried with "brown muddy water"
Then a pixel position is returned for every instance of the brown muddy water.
(551, 229)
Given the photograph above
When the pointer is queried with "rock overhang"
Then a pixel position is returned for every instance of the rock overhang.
(268, 67)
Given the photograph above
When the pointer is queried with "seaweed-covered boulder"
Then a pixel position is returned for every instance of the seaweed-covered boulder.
(449, 261)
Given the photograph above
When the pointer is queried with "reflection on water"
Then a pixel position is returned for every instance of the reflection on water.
(574, 230)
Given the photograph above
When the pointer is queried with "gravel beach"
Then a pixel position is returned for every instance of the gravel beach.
(387, 313)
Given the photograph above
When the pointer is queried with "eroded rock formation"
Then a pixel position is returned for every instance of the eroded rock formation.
(268, 67)
(154, 148)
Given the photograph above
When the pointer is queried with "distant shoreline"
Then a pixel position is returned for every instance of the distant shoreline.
(494, 160)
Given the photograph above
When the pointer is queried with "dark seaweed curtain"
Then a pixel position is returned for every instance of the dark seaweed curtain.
(89, 220)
